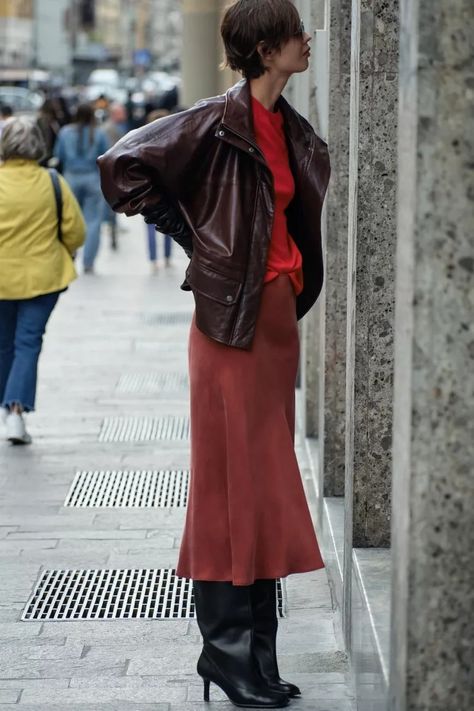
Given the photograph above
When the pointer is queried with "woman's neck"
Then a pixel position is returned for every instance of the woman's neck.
(268, 88)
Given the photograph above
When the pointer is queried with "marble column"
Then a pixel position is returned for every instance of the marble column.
(333, 321)
(201, 56)
(370, 284)
(310, 98)
(432, 648)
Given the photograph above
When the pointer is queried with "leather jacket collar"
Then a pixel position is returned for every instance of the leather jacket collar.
(238, 122)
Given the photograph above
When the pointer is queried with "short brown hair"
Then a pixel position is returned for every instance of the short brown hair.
(248, 22)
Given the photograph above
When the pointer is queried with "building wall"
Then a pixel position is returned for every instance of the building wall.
(16, 33)
(167, 32)
(50, 20)
(16, 8)
(108, 19)
(400, 227)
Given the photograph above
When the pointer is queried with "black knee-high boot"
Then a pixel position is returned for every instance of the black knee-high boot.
(263, 596)
(224, 616)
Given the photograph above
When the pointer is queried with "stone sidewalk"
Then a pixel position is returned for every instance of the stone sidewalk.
(105, 329)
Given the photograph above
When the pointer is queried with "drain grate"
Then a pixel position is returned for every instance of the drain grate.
(139, 489)
(142, 429)
(110, 595)
(172, 318)
(116, 594)
(152, 383)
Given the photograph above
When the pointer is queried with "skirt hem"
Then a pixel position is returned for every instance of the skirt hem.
(266, 575)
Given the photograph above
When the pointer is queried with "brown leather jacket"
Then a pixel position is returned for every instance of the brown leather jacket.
(200, 176)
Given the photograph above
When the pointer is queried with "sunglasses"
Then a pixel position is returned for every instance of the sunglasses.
(300, 31)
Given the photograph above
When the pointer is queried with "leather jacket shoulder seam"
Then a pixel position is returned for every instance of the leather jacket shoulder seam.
(190, 119)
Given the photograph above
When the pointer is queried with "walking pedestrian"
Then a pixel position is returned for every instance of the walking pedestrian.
(36, 264)
(239, 182)
(153, 248)
(114, 127)
(150, 227)
(50, 127)
(77, 148)
(6, 113)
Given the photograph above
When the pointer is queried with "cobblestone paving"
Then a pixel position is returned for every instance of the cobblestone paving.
(99, 334)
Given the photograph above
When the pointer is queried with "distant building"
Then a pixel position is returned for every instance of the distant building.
(51, 20)
(16, 33)
(167, 33)
(72, 37)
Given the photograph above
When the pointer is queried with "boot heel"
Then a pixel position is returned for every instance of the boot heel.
(207, 684)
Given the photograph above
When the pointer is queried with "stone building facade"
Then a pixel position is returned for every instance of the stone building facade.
(387, 352)
(16, 33)
(167, 33)
(99, 32)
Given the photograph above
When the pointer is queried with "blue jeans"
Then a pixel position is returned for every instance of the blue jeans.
(109, 216)
(86, 188)
(152, 249)
(21, 338)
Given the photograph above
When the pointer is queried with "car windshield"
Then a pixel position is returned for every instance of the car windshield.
(20, 99)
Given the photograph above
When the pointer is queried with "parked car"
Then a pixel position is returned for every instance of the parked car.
(93, 91)
(164, 88)
(22, 101)
(105, 77)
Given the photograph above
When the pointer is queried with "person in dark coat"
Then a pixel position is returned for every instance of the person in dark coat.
(239, 182)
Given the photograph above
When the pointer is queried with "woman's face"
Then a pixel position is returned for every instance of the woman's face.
(292, 57)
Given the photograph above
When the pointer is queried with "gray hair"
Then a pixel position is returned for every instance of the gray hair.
(22, 138)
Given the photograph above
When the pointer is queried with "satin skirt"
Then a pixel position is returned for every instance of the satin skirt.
(247, 515)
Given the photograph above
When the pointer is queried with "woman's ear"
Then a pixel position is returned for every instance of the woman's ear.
(264, 51)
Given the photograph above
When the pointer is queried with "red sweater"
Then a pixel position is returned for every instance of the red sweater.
(284, 256)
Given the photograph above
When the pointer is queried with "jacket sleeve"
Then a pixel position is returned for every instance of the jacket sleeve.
(73, 227)
(150, 169)
(151, 162)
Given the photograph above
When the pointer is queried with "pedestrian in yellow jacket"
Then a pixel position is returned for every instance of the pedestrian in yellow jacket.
(35, 265)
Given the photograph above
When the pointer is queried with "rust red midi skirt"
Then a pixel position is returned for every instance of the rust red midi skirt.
(247, 515)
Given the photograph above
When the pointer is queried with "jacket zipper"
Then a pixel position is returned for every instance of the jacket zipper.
(256, 148)
(250, 143)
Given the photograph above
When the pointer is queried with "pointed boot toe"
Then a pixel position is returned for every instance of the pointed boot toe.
(244, 692)
(284, 687)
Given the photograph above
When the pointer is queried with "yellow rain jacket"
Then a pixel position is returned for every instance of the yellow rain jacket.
(32, 259)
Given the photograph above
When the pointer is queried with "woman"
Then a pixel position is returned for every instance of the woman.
(150, 227)
(239, 181)
(36, 265)
(50, 127)
(153, 248)
(77, 148)
(114, 128)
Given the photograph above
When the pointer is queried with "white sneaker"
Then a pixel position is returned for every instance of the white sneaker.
(16, 430)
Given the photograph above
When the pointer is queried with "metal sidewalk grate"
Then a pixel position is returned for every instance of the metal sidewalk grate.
(131, 489)
(115, 594)
(152, 383)
(110, 595)
(143, 429)
(172, 318)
